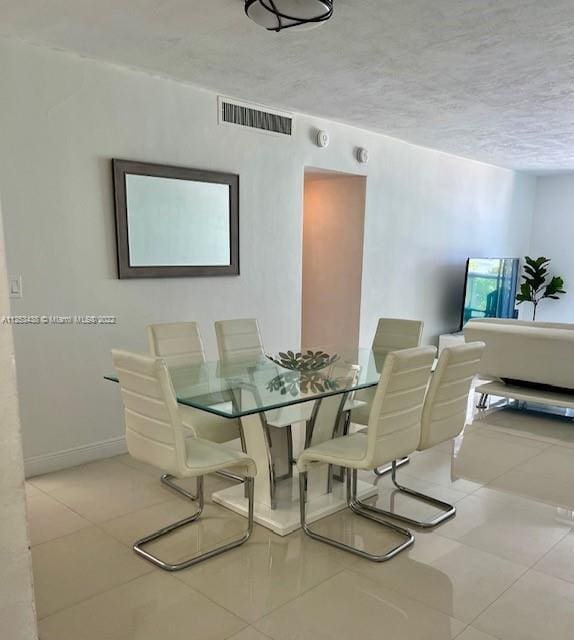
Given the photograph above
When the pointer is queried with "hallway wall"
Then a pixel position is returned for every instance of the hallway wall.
(17, 612)
(334, 212)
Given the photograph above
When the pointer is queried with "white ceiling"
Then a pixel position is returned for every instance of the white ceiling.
(491, 80)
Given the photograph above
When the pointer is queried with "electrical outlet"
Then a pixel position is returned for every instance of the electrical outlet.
(15, 286)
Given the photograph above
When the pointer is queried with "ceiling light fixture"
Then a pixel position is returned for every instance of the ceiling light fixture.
(276, 15)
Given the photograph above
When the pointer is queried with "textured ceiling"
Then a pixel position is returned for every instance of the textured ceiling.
(491, 80)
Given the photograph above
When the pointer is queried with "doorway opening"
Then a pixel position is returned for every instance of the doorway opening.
(333, 226)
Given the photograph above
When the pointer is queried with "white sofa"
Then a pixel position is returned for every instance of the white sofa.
(529, 352)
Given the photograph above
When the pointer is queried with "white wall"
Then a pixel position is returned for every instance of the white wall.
(553, 237)
(62, 118)
(17, 614)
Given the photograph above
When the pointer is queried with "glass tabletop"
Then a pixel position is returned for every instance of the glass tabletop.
(232, 390)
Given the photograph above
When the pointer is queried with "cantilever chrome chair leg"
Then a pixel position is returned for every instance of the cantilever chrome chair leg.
(355, 506)
(168, 480)
(381, 471)
(448, 510)
(200, 557)
(230, 476)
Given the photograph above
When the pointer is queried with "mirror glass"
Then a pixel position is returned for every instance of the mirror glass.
(174, 222)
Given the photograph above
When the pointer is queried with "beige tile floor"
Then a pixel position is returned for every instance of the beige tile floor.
(503, 568)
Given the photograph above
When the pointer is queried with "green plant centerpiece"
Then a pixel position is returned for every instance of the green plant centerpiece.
(295, 383)
(537, 285)
(304, 372)
(305, 362)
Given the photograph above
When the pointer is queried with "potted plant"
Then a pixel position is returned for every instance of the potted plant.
(536, 287)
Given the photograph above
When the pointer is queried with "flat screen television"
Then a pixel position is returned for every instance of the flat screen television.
(490, 288)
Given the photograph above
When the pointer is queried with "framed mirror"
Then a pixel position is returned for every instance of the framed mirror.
(173, 221)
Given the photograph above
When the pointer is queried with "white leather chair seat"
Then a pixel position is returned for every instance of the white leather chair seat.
(205, 457)
(209, 426)
(338, 451)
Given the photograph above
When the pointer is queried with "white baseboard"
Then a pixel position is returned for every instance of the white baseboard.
(37, 465)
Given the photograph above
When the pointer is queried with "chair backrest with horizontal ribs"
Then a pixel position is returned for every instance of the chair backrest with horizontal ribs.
(446, 402)
(178, 343)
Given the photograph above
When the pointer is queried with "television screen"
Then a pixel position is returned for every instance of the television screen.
(490, 288)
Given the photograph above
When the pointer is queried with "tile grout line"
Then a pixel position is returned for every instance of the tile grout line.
(471, 627)
(538, 451)
(519, 435)
(473, 546)
(464, 544)
(279, 605)
(249, 626)
(343, 568)
(499, 596)
(247, 623)
(97, 524)
(508, 431)
(93, 595)
(409, 597)
(458, 635)
(550, 551)
(152, 569)
(529, 568)
(513, 467)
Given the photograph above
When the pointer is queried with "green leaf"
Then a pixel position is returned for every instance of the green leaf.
(531, 271)
(553, 287)
(537, 262)
(526, 293)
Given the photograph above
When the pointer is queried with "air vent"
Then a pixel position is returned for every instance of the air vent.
(243, 114)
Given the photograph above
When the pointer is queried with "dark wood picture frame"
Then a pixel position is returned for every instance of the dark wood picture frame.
(125, 269)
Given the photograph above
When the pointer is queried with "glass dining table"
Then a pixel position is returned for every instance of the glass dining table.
(280, 411)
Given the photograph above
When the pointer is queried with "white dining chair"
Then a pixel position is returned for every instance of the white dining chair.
(328, 419)
(155, 434)
(393, 431)
(180, 344)
(392, 334)
(443, 417)
(239, 340)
